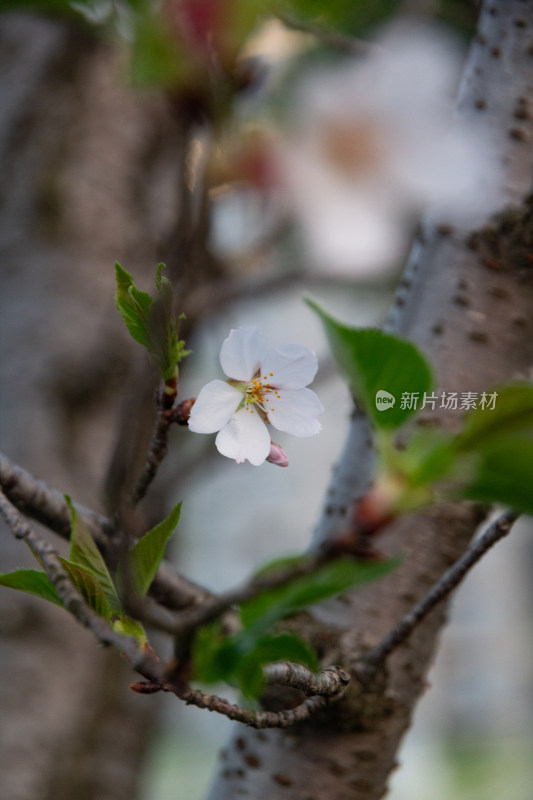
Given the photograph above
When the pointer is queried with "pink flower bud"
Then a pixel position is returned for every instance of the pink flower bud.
(277, 456)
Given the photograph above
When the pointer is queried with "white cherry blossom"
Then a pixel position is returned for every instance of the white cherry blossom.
(264, 386)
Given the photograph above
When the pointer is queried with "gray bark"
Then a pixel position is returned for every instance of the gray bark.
(88, 177)
(472, 316)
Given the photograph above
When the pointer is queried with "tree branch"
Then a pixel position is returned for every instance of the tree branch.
(326, 688)
(327, 683)
(212, 609)
(166, 396)
(140, 661)
(47, 506)
(497, 530)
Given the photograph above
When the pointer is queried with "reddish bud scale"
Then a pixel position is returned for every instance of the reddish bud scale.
(182, 412)
(145, 687)
(248, 158)
(368, 518)
(371, 513)
(258, 165)
(351, 542)
(149, 650)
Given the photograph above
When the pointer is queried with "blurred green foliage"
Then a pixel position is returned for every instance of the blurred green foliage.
(355, 17)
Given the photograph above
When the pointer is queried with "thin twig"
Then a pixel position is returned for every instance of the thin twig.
(496, 530)
(324, 683)
(140, 661)
(45, 505)
(213, 608)
(166, 397)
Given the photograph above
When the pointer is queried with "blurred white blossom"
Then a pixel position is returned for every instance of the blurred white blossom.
(374, 142)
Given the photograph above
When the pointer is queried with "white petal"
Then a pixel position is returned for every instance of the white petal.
(349, 226)
(241, 353)
(245, 437)
(292, 366)
(214, 407)
(295, 412)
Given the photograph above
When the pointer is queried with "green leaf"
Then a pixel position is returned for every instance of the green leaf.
(32, 581)
(215, 656)
(283, 562)
(134, 306)
(355, 17)
(130, 627)
(272, 605)
(89, 588)
(504, 474)
(284, 646)
(374, 362)
(428, 456)
(156, 58)
(85, 553)
(243, 18)
(512, 416)
(146, 555)
(496, 445)
(239, 659)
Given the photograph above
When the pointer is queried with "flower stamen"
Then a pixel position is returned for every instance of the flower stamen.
(257, 393)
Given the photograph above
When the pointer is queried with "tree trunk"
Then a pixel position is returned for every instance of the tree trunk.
(89, 176)
(469, 308)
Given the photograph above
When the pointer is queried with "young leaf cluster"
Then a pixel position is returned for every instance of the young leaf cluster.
(151, 321)
(89, 573)
(490, 459)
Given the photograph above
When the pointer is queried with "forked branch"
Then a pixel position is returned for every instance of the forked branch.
(498, 529)
(321, 689)
(325, 688)
(139, 660)
(46, 505)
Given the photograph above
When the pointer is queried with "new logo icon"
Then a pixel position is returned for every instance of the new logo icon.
(384, 400)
